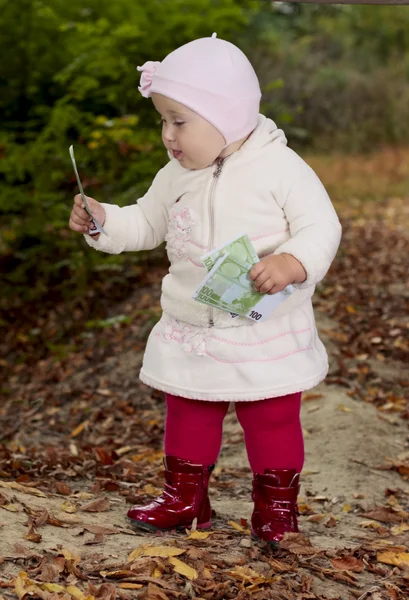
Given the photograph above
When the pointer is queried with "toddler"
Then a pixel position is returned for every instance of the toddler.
(230, 172)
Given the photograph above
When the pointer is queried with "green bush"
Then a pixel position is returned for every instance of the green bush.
(333, 76)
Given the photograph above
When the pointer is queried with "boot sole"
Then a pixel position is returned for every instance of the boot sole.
(141, 525)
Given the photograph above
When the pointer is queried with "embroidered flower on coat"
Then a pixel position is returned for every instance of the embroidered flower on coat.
(180, 227)
(192, 339)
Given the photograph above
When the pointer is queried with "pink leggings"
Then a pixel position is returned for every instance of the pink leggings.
(272, 431)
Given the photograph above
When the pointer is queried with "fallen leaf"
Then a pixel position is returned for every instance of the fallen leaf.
(130, 586)
(398, 529)
(69, 507)
(79, 429)
(400, 559)
(238, 527)
(153, 592)
(75, 592)
(298, 544)
(74, 558)
(311, 396)
(316, 518)
(104, 392)
(386, 514)
(101, 529)
(118, 574)
(199, 535)
(332, 522)
(348, 563)
(25, 489)
(32, 535)
(159, 551)
(53, 587)
(151, 490)
(99, 505)
(62, 488)
(11, 507)
(183, 568)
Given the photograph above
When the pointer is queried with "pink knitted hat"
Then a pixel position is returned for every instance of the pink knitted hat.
(211, 77)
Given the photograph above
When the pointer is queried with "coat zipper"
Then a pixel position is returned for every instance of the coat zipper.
(216, 175)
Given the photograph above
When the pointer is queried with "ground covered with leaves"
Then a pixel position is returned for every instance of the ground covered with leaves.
(81, 440)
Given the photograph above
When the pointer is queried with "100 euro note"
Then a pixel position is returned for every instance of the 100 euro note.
(228, 287)
(240, 248)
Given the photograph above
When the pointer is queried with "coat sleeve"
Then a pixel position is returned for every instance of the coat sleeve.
(140, 226)
(315, 229)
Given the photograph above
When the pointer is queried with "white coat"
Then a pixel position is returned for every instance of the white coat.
(267, 191)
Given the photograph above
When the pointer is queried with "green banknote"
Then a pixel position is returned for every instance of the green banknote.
(228, 287)
(240, 248)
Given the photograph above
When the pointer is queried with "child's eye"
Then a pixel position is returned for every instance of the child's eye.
(162, 121)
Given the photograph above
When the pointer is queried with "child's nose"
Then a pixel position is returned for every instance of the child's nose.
(168, 134)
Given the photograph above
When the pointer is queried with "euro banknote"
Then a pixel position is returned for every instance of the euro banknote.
(228, 287)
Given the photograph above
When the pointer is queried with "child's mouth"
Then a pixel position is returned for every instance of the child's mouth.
(177, 154)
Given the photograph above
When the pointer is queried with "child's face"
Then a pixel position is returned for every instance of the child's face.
(192, 140)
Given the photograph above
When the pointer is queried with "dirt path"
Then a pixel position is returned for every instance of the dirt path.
(345, 439)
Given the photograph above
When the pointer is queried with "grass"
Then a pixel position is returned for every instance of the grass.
(380, 175)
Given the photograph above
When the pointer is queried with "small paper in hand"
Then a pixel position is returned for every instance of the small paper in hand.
(98, 228)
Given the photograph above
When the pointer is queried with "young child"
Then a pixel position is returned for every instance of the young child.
(230, 172)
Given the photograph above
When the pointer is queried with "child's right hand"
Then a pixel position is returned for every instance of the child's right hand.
(80, 220)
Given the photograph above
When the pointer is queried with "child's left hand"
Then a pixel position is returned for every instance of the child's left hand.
(273, 273)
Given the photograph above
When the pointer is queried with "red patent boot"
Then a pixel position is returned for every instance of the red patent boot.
(275, 504)
(184, 498)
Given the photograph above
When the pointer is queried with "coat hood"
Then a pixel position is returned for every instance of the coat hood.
(265, 133)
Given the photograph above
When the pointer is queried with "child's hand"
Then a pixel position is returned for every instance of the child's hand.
(273, 273)
(80, 220)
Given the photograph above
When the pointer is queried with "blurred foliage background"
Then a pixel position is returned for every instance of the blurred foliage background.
(335, 77)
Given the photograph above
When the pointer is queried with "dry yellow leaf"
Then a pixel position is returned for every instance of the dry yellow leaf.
(199, 535)
(80, 428)
(163, 551)
(151, 490)
(68, 507)
(25, 489)
(245, 574)
(157, 573)
(316, 518)
(83, 495)
(311, 396)
(303, 507)
(344, 408)
(370, 525)
(207, 574)
(75, 592)
(11, 507)
(238, 527)
(117, 574)
(130, 586)
(20, 584)
(69, 556)
(398, 529)
(53, 587)
(235, 525)
(400, 559)
(183, 568)
(347, 508)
